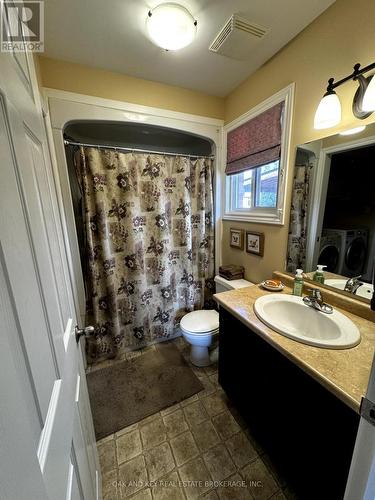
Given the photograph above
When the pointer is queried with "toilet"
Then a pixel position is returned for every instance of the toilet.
(199, 327)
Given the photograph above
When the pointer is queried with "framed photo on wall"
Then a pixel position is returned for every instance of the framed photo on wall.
(236, 238)
(255, 243)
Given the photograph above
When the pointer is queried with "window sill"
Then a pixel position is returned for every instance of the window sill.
(276, 219)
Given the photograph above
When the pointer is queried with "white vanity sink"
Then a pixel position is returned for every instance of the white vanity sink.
(290, 316)
(366, 290)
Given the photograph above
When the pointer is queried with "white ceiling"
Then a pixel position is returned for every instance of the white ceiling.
(111, 34)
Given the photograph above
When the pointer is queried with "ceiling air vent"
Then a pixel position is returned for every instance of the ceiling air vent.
(238, 37)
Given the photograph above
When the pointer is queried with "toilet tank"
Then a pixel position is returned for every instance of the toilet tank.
(223, 285)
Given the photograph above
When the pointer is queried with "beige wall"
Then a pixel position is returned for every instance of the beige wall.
(72, 77)
(329, 47)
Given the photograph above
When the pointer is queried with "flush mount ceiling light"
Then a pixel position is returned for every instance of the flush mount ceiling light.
(171, 26)
(328, 113)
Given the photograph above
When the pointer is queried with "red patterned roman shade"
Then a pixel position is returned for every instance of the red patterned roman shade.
(256, 142)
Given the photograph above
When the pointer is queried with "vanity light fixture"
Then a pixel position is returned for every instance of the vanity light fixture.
(328, 113)
(355, 130)
(368, 103)
(171, 26)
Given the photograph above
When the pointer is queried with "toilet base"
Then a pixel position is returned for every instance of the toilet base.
(199, 356)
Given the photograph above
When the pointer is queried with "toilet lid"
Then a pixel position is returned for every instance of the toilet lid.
(200, 321)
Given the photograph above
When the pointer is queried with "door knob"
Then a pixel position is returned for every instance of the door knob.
(83, 332)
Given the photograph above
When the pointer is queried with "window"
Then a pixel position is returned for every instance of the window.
(255, 188)
(257, 152)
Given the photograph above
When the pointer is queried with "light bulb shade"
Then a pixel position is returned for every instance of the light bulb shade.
(171, 26)
(328, 113)
(368, 102)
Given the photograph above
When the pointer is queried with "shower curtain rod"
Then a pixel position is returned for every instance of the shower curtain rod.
(72, 143)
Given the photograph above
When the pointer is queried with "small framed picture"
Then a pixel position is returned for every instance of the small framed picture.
(236, 238)
(255, 243)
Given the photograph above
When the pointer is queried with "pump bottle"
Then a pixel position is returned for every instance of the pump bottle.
(298, 283)
(319, 274)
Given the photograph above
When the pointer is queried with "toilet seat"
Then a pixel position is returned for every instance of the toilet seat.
(200, 322)
(200, 334)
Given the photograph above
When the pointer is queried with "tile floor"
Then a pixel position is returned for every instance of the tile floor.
(199, 448)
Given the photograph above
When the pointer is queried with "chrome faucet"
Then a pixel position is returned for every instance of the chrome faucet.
(315, 300)
(353, 284)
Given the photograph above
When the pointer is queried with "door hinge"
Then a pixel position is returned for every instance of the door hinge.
(367, 410)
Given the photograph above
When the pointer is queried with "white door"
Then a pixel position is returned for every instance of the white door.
(361, 480)
(47, 441)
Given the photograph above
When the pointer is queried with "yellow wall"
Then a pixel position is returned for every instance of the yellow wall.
(329, 47)
(73, 77)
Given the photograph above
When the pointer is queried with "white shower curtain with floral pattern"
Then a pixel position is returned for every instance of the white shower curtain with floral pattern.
(149, 245)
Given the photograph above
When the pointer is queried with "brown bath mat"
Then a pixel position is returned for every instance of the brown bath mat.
(131, 390)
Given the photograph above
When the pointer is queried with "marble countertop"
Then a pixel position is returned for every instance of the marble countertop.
(343, 372)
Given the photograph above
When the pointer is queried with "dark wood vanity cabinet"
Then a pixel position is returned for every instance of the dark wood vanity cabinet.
(307, 432)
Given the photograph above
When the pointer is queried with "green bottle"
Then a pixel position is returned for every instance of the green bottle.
(298, 283)
(319, 274)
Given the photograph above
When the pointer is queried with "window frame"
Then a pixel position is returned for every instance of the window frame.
(264, 215)
(255, 191)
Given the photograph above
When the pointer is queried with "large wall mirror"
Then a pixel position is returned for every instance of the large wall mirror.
(333, 212)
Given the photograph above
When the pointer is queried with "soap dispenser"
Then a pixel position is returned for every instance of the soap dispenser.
(298, 283)
(319, 274)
